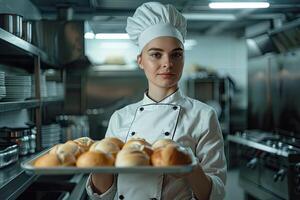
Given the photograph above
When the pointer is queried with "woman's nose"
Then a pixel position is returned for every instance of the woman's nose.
(167, 62)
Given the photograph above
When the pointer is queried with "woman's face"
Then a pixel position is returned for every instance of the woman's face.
(162, 60)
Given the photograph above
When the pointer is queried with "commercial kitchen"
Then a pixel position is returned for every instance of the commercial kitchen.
(67, 65)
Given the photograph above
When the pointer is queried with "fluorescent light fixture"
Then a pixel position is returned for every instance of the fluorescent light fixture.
(209, 16)
(112, 36)
(238, 5)
(115, 45)
(89, 35)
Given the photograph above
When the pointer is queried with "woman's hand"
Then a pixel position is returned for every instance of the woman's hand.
(198, 181)
(101, 182)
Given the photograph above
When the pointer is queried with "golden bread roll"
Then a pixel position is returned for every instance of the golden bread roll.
(162, 143)
(139, 144)
(68, 153)
(69, 147)
(170, 155)
(80, 148)
(94, 159)
(47, 160)
(54, 149)
(84, 142)
(132, 157)
(116, 141)
(105, 146)
(139, 141)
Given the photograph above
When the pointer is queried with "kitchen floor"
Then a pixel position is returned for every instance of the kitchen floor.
(233, 190)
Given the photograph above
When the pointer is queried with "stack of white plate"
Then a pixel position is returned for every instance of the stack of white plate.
(60, 89)
(17, 88)
(2, 85)
(51, 135)
(43, 86)
(51, 88)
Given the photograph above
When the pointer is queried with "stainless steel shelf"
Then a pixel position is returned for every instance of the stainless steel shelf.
(15, 46)
(11, 40)
(51, 100)
(18, 105)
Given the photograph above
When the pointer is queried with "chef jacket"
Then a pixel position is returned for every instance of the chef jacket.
(185, 120)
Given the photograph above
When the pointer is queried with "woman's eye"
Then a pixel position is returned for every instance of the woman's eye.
(155, 55)
(177, 55)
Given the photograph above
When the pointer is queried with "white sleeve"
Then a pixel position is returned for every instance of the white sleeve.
(113, 125)
(111, 192)
(210, 151)
(108, 195)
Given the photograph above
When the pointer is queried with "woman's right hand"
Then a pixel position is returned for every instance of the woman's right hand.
(101, 182)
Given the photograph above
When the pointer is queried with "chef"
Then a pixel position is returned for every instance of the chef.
(164, 112)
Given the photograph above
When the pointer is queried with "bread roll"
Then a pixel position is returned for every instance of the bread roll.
(132, 157)
(139, 141)
(54, 149)
(162, 143)
(105, 146)
(139, 144)
(84, 142)
(116, 141)
(47, 160)
(94, 159)
(170, 155)
(69, 147)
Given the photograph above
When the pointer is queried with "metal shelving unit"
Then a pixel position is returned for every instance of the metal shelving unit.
(17, 52)
(17, 105)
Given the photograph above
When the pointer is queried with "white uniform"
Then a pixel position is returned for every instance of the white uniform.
(185, 120)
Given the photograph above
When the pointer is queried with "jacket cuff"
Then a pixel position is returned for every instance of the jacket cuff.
(108, 195)
(217, 189)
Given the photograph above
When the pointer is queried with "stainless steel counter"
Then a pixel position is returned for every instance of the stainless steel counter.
(14, 180)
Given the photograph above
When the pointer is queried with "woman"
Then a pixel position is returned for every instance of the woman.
(165, 112)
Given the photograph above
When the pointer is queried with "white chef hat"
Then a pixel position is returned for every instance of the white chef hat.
(152, 20)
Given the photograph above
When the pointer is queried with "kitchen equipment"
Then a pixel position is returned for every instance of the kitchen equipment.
(27, 31)
(73, 126)
(269, 164)
(11, 23)
(8, 153)
(18, 135)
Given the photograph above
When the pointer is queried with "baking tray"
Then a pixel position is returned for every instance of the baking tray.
(29, 168)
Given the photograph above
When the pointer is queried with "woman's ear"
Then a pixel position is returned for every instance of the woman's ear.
(139, 61)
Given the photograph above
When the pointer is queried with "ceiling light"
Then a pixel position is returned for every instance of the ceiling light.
(89, 35)
(112, 36)
(238, 5)
(209, 16)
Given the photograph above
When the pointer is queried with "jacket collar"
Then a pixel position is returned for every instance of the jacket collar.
(171, 99)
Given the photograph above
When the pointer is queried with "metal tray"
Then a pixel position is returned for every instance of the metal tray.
(29, 168)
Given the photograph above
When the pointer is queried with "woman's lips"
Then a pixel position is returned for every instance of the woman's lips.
(167, 75)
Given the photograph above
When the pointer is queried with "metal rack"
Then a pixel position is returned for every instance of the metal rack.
(21, 54)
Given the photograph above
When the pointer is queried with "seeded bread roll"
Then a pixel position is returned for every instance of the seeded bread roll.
(47, 160)
(132, 157)
(170, 155)
(94, 159)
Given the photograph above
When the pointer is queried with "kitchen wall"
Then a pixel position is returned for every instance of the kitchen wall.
(225, 54)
